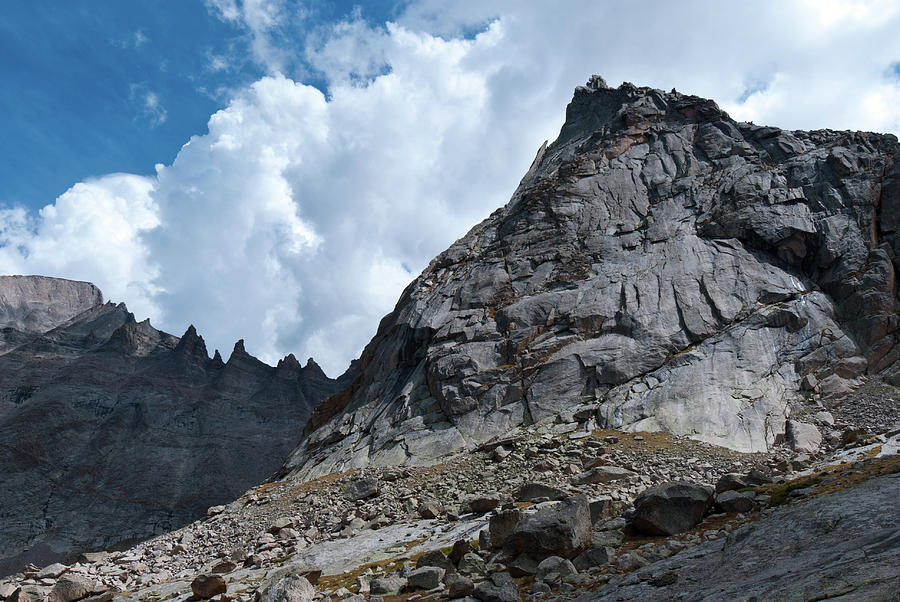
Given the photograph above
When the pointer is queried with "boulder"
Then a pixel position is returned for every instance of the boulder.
(602, 474)
(207, 586)
(224, 566)
(553, 569)
(460, 548)
(502, 524)
(289, 587)
(730, 481)
(19, 595)
(671, 507)
(736, 501)
(472, 564)
(458, 586)
(499, 587)
(390, 585)
(430, 509)
(533, 491)
(70, 588)
(596, 555)
(522, 566)
(361, 489)
(426, 577)
(435, 558)
(484, 503)
(803, 437)
(562, 529)
(52, 571)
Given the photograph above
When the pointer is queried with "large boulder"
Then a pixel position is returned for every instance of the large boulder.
(499, 587)
(502, 524)
(562, 529)
(361, 489)
(71, 587)
(533, 491)
(803, 437)
(671, 507)
(289, 584)
(207, 586)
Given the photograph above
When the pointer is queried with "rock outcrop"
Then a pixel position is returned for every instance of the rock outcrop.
(31, 305)
(660, 267)
(114, 431)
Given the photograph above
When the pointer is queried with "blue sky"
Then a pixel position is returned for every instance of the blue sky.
(279, 170)
(98, 86)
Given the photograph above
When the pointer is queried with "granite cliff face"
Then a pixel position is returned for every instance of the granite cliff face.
(31, 305)
(660, 267)
(112, 431)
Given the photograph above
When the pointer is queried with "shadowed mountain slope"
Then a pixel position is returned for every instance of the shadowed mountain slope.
(112, 431)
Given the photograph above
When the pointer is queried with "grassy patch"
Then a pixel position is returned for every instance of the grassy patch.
(780, 495)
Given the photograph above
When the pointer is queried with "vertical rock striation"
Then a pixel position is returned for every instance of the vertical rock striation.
(661, 265)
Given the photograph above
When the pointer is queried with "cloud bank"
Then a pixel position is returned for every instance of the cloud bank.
(297, 220)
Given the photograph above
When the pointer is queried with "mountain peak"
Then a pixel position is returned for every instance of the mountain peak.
(656, 252)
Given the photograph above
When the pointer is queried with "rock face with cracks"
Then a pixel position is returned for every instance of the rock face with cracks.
(660, 267)
(114, 431)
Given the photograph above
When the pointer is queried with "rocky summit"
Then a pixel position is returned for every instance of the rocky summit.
(667, 369)
(113, 431)
(660, 267)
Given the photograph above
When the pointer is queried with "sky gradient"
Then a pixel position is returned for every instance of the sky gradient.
(278, 171)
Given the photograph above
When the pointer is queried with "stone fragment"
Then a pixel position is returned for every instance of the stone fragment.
(52, 571)
(735, 501)
(502, 524)
(602, 474)
(803, 437)
(389, 585)
(595, 555)
(730, 481)
(361, 489)
(671, 507)
(289, 587)
(207, 586)
(458, 586)
(499, 587)
(500, 453)
(522, 566)
(555, 566)
(533, 491)
(484, 503)
(461, 547)
(426, 577)
(472, 564)
(430, 509)
(435, 558)
(71, 587)
(562, 529)
(224, 566)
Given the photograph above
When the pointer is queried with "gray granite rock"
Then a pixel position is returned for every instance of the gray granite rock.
(562, 529)
(671, 507)
(674, 268)
(842, 545)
